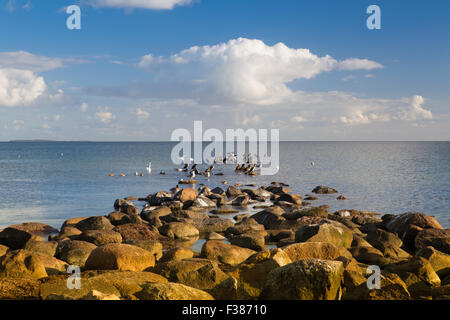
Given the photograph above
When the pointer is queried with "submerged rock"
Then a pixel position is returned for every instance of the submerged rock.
(324, 190)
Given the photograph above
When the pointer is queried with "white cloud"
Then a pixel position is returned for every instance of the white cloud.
(415, 111)
(84, 107)
(18, 124)
(28, 61)
(243, 70)
(139, 4)
(142, 114)
(105, 116)
(56, 117)
(20, 87)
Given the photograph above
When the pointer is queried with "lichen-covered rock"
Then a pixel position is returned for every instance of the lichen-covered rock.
(99, 237)
(176, 254)
(119, 257)
(138, 231)
(315, 250)
(171, 291)
(334, 232)
(229, 289)
(43, 247)
(186, 194)
(418, 266)
(253, 240)
(3, 250)
(399, 224)
(369, 255)
(308, 279)
(225, 253)
(436, 238)
(179, 230)
(149, 213)
(252, 273)
(152, 246)
(19, 289)
(194, 272)
(21, 264)
(74, 252)
(17, 239)
(35, 228)
(94, 223)
(438, 260)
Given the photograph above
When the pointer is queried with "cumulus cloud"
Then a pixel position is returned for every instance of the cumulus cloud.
(139, 4)
(142, 114)
(415, 111)
(244, 70)
(104, 116)
(84, 106)
(20, 87)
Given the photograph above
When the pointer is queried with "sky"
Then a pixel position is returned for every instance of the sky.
(138, 70)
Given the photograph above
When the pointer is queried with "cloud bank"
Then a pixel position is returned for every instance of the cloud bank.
(139, 4)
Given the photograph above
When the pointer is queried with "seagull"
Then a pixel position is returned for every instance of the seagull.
(192, 174)
(312, 163)
(149, 167)
(136, 173)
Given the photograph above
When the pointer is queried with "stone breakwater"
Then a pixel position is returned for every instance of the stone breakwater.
(288, 249)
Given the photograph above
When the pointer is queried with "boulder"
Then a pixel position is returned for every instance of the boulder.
(97, 295)
(52, 265)
(369, 255)
(271, 217)
(439, 261)
(233, 192)
(194, 272)
(119, 257)
(203, 202)
(215, 224)
(19, 289)
(219, 191)
(324, 190)
(315, 250)
(306, 212)
(21, 264)
(186, 194)
(332, 232)
(149, 213)
(171, 291)
(392, 287)
(3, 250)
(72, 222)
(126, 207)
(381, 239)
(244, 226)
(252, 273)
(133, 231)
(94, 223)
(159, 197)
(179, 230)
(308, 279)
(229, 289)
(67, 232)
(16, 239)
(36, 228)
(118, 218)
(153, 246)
(291, 198)
(122, 284)
(177, 254)
(279, 190)
(399, 224)
(74, 252)
(99, 237)
(253, 240)
(436, 238)
(417, 266)
(241, 200)
(225, 253)
(43, 247)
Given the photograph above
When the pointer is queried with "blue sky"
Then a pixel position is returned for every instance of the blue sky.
(118, 78)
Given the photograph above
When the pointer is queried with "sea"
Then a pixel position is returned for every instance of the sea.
(50, 182)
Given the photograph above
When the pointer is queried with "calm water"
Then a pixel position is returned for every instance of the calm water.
(50, 182)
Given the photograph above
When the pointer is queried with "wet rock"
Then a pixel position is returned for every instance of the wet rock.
(118, 218)
(3, 250)
(306, 212)
(133, 231)
(244, 226)
(74, 252)
(311, 198)
(400, 223)
(241, 201)
(271, 217)
(21, 264)
(369, 255)
(171, 291)
(215, 224)
(229, 289)
(224, 211)
(214, 236)
(308, 279)
(315, 250)
(324, 190)
(290, 198)
(219, 191)
(253, 240)
(252, 273)
(233, 192)
(436, 238)
(99, 237)
(332, 232)
(258, 194)
(239, 217)
(43, 247)
(159, 197)
(72, 222)
(194, 272)
(16, 239)
(119, 257)
(380, 239)
(341, 197)
(225, 253)
(203, 202)
(94, 223)
(279, 190)
(152, 246)
(126, 207)
(19, 289)
(149, 213)
(52, 265)
(67, 232)
(179, 230)
(277, 235)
